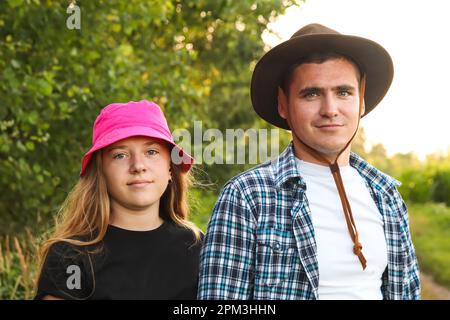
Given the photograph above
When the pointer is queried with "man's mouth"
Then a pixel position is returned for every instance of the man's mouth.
(330, 126)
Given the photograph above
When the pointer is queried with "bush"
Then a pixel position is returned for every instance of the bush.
(187, 56)
(440, 192)
(429, 183)
(416, 185)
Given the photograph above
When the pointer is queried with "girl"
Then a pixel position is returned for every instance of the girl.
(123, 230)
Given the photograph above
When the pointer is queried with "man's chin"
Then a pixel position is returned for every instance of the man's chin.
(329, 151)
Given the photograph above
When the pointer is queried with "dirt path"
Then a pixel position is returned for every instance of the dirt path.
(432, 290)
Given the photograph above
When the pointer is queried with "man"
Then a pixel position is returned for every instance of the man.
(318, 222)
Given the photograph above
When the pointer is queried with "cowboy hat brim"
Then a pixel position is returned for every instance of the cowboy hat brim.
(372, 58)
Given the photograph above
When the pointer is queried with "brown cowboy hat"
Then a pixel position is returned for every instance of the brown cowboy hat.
(373, 60)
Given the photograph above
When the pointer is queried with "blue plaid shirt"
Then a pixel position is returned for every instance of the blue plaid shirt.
(260, 240)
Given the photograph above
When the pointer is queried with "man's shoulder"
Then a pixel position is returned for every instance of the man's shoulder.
(374, 176)
(250, 189)
(259, 176)
(269, 174)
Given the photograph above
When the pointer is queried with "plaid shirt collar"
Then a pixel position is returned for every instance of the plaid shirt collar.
(286, 170)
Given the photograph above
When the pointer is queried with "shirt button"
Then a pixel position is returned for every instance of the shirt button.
(276, 246)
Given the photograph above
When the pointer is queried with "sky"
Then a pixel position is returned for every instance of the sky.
(415, 113)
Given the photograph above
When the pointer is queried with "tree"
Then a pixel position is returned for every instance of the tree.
(194, 58)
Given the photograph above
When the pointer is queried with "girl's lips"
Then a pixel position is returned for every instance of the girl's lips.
(139, 184)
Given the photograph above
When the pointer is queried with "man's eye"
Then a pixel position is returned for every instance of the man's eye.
(311, 94)
(344, 93)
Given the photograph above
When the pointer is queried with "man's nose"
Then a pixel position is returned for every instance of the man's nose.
(329, 106)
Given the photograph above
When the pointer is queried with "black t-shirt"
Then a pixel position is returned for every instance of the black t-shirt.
(157, 264)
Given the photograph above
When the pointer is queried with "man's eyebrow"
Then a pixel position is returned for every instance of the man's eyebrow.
(344, 87)
(315, 89)
(310, 90)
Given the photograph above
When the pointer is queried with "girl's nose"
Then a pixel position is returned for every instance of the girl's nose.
(137, 164)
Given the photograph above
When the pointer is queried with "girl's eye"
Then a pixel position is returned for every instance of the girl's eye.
(152, 152)
(119, 156)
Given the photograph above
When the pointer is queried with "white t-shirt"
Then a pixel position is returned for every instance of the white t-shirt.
(340, 273)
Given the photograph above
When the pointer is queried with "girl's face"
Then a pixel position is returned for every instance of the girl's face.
(137, 172)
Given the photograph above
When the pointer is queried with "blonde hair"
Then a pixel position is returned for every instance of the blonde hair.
(84, 216)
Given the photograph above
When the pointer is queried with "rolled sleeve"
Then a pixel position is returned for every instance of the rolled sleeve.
(411, 286)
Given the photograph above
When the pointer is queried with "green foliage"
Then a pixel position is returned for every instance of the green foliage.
(430, 228)
(441, 187)
(422, 181)
(194, 58)
(201, 206)
(417, 184)
(425, 183)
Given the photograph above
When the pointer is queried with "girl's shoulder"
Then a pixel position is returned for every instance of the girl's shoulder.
(63, 246)
(67, 272)
(70, 250)
(183, 234)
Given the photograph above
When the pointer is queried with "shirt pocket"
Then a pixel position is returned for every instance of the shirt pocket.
(276, 257)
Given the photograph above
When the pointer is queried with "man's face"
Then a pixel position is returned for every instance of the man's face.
(322, 108)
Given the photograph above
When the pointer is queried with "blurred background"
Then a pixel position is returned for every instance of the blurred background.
(195, 59)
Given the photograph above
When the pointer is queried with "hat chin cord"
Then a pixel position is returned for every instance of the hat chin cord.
(334, 167)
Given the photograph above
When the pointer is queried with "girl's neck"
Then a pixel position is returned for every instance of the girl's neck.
(135, 220)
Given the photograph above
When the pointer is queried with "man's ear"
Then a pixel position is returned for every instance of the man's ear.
(362, 93)
(282, 103)
(362, 108)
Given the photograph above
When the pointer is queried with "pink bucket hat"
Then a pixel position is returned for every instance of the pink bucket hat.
(118, 121)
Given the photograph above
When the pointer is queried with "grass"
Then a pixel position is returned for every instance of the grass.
(430, 229)
(17, 267)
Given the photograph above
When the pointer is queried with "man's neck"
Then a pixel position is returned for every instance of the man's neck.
(303, 154)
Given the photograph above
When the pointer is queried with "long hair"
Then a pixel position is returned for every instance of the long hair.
(174, 201)
(84, 216)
